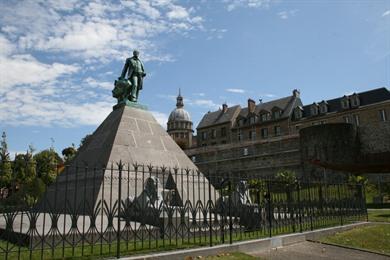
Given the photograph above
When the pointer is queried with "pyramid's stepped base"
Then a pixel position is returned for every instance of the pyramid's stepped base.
(66, 231)
(134, 137)
(85, 195)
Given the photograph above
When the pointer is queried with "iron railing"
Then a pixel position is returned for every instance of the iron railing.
(123, 209)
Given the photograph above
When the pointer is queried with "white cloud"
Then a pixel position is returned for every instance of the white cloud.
(178, 12)
(25, 69)
(95, 31)
(201, 94)
(49, 49)
(287, 14)
(204, 103)
(31, 108)
(161, 118)
(235, 90)
(386, 13)
(100, 84)
(169, 97)
(233, 4)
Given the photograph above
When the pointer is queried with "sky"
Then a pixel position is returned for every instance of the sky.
(59, 58)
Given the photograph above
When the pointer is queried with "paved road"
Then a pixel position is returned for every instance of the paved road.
(310, 250)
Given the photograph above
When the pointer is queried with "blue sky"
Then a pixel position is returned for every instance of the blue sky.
(59, 58)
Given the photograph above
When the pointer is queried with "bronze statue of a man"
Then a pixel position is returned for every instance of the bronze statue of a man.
(135, 73)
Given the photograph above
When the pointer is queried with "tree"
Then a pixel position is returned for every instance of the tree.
(46, 165)
(69, 153)
(24, 167)
(5, 163)
(287, 181)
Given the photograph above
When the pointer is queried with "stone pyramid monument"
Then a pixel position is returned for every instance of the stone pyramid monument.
(132, 136)
(154, 168)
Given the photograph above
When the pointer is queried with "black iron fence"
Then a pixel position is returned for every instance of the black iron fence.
(125, 209)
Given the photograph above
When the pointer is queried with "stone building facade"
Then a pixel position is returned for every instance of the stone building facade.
(264, 138)
(179, 125)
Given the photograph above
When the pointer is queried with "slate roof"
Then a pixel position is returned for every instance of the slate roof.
(219, 117)
(286, 104)
(366, 98)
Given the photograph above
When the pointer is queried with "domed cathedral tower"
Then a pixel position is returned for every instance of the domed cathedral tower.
(179, 125)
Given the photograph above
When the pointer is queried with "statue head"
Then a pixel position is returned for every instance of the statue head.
(136, 53)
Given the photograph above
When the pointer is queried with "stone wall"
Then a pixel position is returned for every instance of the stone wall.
(337, 147)
(329, 143)
(375, 138)
(260, 158)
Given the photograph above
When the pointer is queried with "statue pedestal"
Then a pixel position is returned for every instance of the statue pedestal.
(129, 103)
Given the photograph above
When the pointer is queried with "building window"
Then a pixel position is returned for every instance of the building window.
(383, 115)
(193, 159)
(277, 130)
(245, 151)
(252, 120)
(345, 102)
(314, 110)
(213, 134)
(241, 122)
(181, 135)
(223, 131)
(347, 119)
(276, 114)
(298, 113)
(323, 108)
(239, 135)
(264, 117)
(356, 120)
(252, 135)
(355, 101)
(264, 132)
(204, 135)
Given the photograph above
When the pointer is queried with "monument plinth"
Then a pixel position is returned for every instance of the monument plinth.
(130, 169)
(133, 137)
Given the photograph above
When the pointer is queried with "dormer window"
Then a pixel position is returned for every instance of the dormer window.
(240, 122)
(276, 113)
(298, 112)
(252, 120)
(264, 117)
(345, 102)
(324, 107)
(314, 109)
(355, 100)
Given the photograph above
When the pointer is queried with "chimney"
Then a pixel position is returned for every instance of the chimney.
(251, 105)
(296, 93)
(224, 107)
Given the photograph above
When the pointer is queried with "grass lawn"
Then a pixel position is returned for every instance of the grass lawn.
(379, 215)
(373, 238)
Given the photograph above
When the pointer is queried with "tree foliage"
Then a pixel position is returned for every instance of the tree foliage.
(47, 162)
(69, 153)
(286, 176)
(5, 163)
